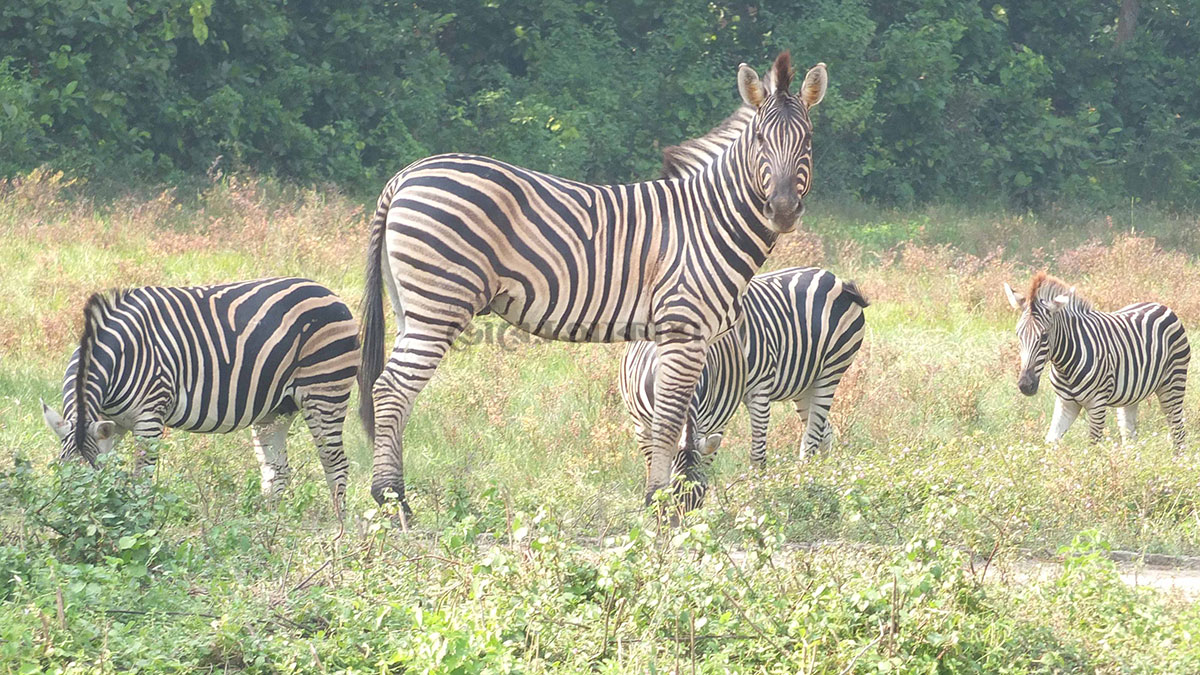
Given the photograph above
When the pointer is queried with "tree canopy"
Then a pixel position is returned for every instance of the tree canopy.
(1028, 100)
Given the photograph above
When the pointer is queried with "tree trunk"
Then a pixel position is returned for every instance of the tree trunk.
(1127, 21)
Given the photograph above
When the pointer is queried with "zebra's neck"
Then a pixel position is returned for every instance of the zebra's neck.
(119, 362)
(1071, 345)
(732, 202)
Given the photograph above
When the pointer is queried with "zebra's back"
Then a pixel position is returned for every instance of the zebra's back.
(224, 356)
(802, 324)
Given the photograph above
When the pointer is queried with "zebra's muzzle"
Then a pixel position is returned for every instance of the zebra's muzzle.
(1027, 384)
(784, 214)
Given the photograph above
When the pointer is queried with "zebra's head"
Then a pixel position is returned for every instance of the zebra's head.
(780, 157)
(80, 438)
(1035, 325)
(96, 438)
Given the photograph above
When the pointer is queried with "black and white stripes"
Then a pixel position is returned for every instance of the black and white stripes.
(666, 260)
(802, 329)
(1100, 359)
(212, 359)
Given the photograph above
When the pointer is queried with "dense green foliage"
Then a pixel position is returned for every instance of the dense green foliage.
(1033, 100)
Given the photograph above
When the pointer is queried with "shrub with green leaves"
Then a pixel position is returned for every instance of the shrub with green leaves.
(929, 100)
(97, 515)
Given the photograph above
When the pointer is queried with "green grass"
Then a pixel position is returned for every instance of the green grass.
(531, 552)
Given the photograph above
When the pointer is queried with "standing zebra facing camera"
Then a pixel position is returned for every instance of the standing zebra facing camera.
(1100, 360)
(801, 331)
(663, 260)
(770, 378)
(213, 359)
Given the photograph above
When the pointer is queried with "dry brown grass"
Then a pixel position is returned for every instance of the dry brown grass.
(236, 228)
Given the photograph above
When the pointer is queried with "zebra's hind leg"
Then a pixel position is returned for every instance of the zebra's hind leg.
(325, 415)
(817, 430)
(680, 360)
(270, 446)
(1127, 422)
(826, 443)
(759, 407)
(1171, 399)
(1065, 413)
(1097, 415)
(414, 359)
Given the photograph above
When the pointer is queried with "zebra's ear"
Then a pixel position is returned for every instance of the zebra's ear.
(749, 86)
(103, 430)
(55, 421)
(815, 83)
(1017, 302)
(1063, 300)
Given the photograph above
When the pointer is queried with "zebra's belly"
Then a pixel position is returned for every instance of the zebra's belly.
(571, 322)
(197, 414)
(781, 382)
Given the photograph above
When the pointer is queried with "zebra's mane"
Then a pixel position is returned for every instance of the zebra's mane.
(94, 311)
(1045, 288)
(692, 156)
(706, 148)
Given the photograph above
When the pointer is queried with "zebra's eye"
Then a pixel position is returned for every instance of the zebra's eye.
(758, 136)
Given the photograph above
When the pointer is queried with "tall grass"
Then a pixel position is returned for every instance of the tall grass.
(933, 442)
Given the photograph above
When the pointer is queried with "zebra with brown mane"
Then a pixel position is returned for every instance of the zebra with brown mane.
(1100, 360)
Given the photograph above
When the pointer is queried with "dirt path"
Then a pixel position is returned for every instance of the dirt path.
(1182, 583)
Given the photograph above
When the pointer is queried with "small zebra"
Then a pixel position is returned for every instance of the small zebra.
(665, 260)
(213, 359)
(1100, 359)
(802, 328)
(709, 412)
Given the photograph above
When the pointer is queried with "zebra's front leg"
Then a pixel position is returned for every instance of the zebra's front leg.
(270, 447)
(1097, 415)
(1127, 422)
(148, 436)
(759, 407)
(680, 361)
(1065, 413)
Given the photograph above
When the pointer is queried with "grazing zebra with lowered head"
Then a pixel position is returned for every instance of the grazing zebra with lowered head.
(709, 411)
(802, 329)
(665, 260)
(213, 359)
(1100, 359)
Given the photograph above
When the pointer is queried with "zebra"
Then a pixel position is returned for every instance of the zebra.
(802, 329)
(710, 409)
(812, 399)
(213, 359)
(1100, 359)
(663, 260)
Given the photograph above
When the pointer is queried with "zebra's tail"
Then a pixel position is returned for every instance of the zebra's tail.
(371, 336)
(93, 314)
(851, 288)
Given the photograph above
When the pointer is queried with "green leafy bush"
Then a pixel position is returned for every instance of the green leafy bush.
(928, 100)
(98, 515)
